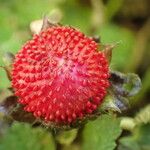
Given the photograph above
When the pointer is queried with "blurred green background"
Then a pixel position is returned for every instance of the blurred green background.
(126, 22)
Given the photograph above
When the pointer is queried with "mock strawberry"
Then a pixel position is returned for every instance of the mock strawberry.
(60, 76)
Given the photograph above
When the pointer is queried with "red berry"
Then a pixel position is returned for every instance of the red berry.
(60, 75)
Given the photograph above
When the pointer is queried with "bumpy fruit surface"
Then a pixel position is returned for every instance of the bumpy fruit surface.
(60, 76)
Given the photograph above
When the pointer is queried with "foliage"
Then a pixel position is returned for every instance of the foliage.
(22, 136)
(131, 37)
(101, 133)
(139, 140)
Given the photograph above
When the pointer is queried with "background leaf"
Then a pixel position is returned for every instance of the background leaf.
(102, 133)
(110, 33)
(24, 137)
(139, 140)
(74, 17)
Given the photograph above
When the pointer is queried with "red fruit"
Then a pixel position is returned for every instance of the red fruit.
(60, 75)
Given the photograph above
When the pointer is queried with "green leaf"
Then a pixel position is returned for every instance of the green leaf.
(143, 136)
(128, 143)
(111, 33)
(24, 137)
(112, 8)
(139, 140)
(76, 15)
(102, 133)
(67, 137)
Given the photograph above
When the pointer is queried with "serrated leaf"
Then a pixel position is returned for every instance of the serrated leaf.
(102, 133)
(24, 137)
